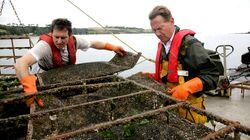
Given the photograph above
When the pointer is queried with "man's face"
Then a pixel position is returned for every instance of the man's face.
(163, 29)
(60, 38)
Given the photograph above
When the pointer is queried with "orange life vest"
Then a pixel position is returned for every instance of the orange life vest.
(173, 57)
(57, 58)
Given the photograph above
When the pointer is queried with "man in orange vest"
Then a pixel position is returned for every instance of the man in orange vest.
(55, 49)
(182, 63)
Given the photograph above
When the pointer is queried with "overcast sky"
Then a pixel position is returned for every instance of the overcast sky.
(204, 16)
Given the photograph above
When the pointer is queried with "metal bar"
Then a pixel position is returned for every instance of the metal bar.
(70, 83)
(30, 124)
(8, 57)
(51, 91)
(5, 75)
(168, 96)
(30, 42)
(244, 82)
(6, 66)
(104, 125)
(209, 115)
(220, 133)
(13, 37)
(240, 86)
(225, 60)
(237, 135)
(15, 48)
(217, 118)
(41, 113)
(243, 129)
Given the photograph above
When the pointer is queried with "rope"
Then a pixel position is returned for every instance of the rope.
(1, 9)
(141, 62)
(20, 23)
(109, 31)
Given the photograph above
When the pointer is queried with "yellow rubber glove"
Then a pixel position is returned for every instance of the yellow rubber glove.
(182, 91)
(117, 49)
(29, 87)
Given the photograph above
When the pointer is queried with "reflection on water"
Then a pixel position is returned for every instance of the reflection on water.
(145, 43)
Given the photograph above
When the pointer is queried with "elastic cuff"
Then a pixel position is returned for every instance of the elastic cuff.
(109, 46)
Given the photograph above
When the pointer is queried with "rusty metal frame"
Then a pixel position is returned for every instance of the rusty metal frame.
(230, 126)
(245, 85)
(13, 48)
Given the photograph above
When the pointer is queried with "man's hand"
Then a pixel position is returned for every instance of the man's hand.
(116, 49)
(29, 87)
(182, 91)
(31, 100)
(144, 74)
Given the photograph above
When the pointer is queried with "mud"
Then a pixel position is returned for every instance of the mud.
(79, 104)
(149, 82)
(70, 108)
(156, 127)
(8, 83)
(67, 96)
(86, 109)
(89, 70)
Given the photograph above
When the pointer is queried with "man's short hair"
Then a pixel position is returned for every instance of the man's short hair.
(160, 11)
(60, 24)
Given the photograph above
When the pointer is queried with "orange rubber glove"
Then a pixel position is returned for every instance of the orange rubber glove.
(29, 87)
(117, 49)
(144, 74)
(182, 91)
(147, 74)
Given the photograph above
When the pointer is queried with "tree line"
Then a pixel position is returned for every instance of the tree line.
(35, 30)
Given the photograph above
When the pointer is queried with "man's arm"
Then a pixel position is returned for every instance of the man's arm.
(97, 45)
(203, 73)
(107, 46)
(22, 65)
(28, 81)
(202, 66)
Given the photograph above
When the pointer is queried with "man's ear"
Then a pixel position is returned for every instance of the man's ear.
(172, 20)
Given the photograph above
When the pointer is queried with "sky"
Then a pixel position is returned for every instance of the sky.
(202, 16)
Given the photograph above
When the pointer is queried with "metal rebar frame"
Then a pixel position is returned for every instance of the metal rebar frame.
(241, 85)
(230, 126)
(13, 47)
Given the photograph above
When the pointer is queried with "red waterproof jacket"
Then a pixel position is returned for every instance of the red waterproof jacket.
(57, 58)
